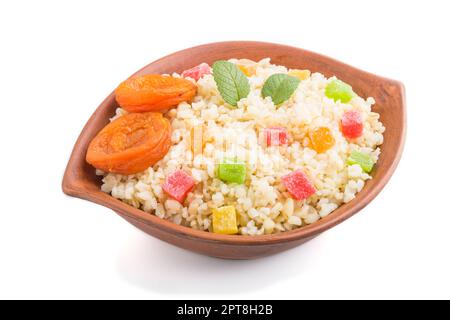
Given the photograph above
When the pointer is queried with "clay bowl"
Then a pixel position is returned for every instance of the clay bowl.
(80, 179)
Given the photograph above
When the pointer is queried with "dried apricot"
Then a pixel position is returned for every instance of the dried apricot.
(131, 143)
(154, 92)
(321, 139)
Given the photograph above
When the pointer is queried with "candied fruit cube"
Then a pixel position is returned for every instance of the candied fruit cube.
(178, 184)
(197, 72)
(298, 185)
(275, 136)
(364, 160)
(352, 124)
(224, 220)
(300, 74)
(321, 139)
(232, 171)
(339, 90)
(247, 66)
(197, 142)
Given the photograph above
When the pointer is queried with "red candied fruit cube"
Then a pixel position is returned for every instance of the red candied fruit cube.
(352, 124)
(178, 184)
(275, 136)
(197, 72)
(298, 185)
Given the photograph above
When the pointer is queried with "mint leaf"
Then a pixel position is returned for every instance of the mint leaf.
(232, 83)
(280, 87)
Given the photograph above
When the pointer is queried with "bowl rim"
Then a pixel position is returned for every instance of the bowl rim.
(70, 185)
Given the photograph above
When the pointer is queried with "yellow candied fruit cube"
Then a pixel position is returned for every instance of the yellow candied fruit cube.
(197, 142)
(248, 67)
(300, 74)
(224, 220)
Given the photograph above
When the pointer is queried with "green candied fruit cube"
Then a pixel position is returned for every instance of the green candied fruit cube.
(224, 220)
(339, 90)
(362, 159)
(232, 171)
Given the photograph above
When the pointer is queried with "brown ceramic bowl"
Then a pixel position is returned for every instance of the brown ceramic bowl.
(80, 179)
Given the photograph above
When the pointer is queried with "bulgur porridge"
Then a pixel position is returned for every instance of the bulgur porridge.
(241, 147)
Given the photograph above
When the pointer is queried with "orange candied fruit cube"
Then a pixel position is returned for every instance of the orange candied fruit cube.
(300, 74)
(197, 142)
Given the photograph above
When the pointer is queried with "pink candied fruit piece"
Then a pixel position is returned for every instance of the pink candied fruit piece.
(298, 185)
(275, 136)
(352, 124)
(178, 184)
(197, 72)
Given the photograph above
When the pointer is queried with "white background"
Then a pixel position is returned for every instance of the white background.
(59, 59)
